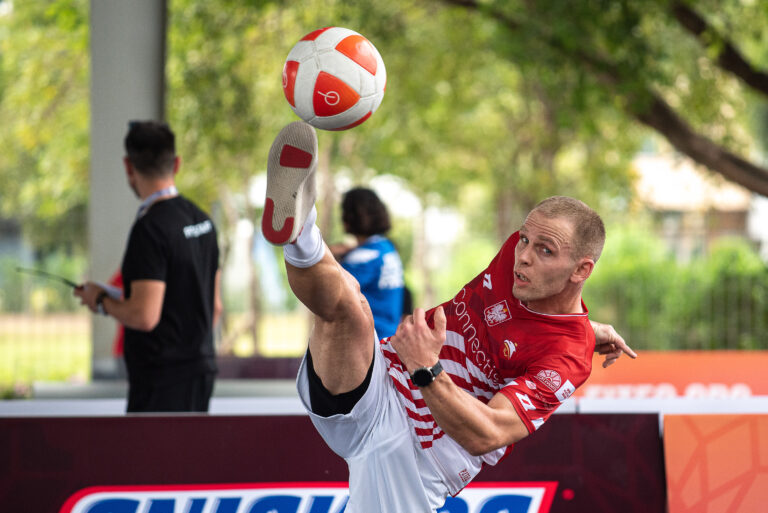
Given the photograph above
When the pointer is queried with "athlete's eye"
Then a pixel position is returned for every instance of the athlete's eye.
(524, 239)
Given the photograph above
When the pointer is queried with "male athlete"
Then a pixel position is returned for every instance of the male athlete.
(417, 415)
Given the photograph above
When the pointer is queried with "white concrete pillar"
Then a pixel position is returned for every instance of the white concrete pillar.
(127, 82)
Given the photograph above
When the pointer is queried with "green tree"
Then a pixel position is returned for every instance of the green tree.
(456, 114)
(688, 70)
(716, 301)
(44, 112)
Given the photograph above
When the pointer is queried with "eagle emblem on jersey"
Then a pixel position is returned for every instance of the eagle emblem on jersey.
(551, 379)
(496, 314)
(509, 349)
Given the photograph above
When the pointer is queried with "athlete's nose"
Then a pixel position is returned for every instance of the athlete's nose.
(524, 255)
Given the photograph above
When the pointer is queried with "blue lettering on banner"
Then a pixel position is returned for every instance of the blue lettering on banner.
(497, 504)
(507, 497)
(276, 504)
(454, 505)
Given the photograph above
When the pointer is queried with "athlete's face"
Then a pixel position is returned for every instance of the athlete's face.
(545, 264)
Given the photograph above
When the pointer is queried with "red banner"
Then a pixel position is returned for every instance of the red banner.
(259, 464)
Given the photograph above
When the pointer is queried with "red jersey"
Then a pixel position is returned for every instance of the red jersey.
(495, 344)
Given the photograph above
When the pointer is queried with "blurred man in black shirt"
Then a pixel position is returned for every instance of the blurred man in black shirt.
(171, 285)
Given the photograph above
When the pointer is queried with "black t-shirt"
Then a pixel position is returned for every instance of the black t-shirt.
(174, 242)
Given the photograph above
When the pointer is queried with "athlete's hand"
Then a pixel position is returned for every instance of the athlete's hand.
(416, 343)
(608, 342)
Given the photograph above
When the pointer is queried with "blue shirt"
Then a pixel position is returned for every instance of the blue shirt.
(377, 267)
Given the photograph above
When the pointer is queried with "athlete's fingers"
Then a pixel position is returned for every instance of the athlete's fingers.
(418, 315)
(622, 345)
(610, 340)
(604, 349)
(406, 321)
(440, 322)
(610, 358)
(607, 348)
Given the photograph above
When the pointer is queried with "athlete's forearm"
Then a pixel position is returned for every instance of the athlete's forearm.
(479, 428)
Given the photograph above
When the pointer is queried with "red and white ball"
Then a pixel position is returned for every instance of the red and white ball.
(334, 78)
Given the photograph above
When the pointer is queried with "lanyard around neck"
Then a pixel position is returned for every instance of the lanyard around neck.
(168, 191)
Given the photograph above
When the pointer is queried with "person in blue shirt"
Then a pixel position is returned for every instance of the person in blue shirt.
(374, 261)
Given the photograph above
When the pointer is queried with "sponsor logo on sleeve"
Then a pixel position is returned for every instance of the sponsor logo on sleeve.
(565, 391)
(549, 378)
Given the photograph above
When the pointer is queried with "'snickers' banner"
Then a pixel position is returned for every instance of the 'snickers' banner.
(313, 497)
(690, 374)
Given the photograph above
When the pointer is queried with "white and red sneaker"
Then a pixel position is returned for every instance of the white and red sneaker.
(291, 190)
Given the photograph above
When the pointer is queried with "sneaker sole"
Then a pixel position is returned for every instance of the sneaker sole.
(290, 183)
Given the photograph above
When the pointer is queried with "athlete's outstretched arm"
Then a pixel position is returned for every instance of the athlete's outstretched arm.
(608, 342)
(479, 428)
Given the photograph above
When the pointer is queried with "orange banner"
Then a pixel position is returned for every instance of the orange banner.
(693, 374)
(716, 463)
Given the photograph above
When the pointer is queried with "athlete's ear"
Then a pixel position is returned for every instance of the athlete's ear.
(583, 270)
(176, 164)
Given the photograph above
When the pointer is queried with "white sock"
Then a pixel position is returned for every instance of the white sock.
(309, 248)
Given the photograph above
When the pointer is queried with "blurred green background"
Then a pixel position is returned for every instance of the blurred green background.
(489, 108)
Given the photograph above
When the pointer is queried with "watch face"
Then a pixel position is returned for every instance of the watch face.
(422, 377)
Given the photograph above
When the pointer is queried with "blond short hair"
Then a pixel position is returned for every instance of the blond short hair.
(588, 227)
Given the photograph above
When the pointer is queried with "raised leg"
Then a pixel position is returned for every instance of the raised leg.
(341, 341)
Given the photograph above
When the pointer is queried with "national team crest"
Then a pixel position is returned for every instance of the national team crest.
(496, 314)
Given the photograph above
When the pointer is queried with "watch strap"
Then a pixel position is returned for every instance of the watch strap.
(424, 376)
(436, 369)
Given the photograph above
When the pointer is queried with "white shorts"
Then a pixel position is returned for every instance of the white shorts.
(388, 471)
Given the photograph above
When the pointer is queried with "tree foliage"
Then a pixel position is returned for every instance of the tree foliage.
(487, 113)
(717, 301)
(455, 113)
(674, 66)
(44, 113)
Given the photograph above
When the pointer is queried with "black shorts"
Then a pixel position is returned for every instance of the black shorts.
(191, 394)
(325, 403)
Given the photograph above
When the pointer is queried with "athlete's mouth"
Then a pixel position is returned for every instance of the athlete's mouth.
(521, 277)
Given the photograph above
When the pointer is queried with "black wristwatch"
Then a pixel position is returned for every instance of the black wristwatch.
(100, 302)
(423, 376)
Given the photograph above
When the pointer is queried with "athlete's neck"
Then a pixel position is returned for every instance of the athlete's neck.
(556, 305)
